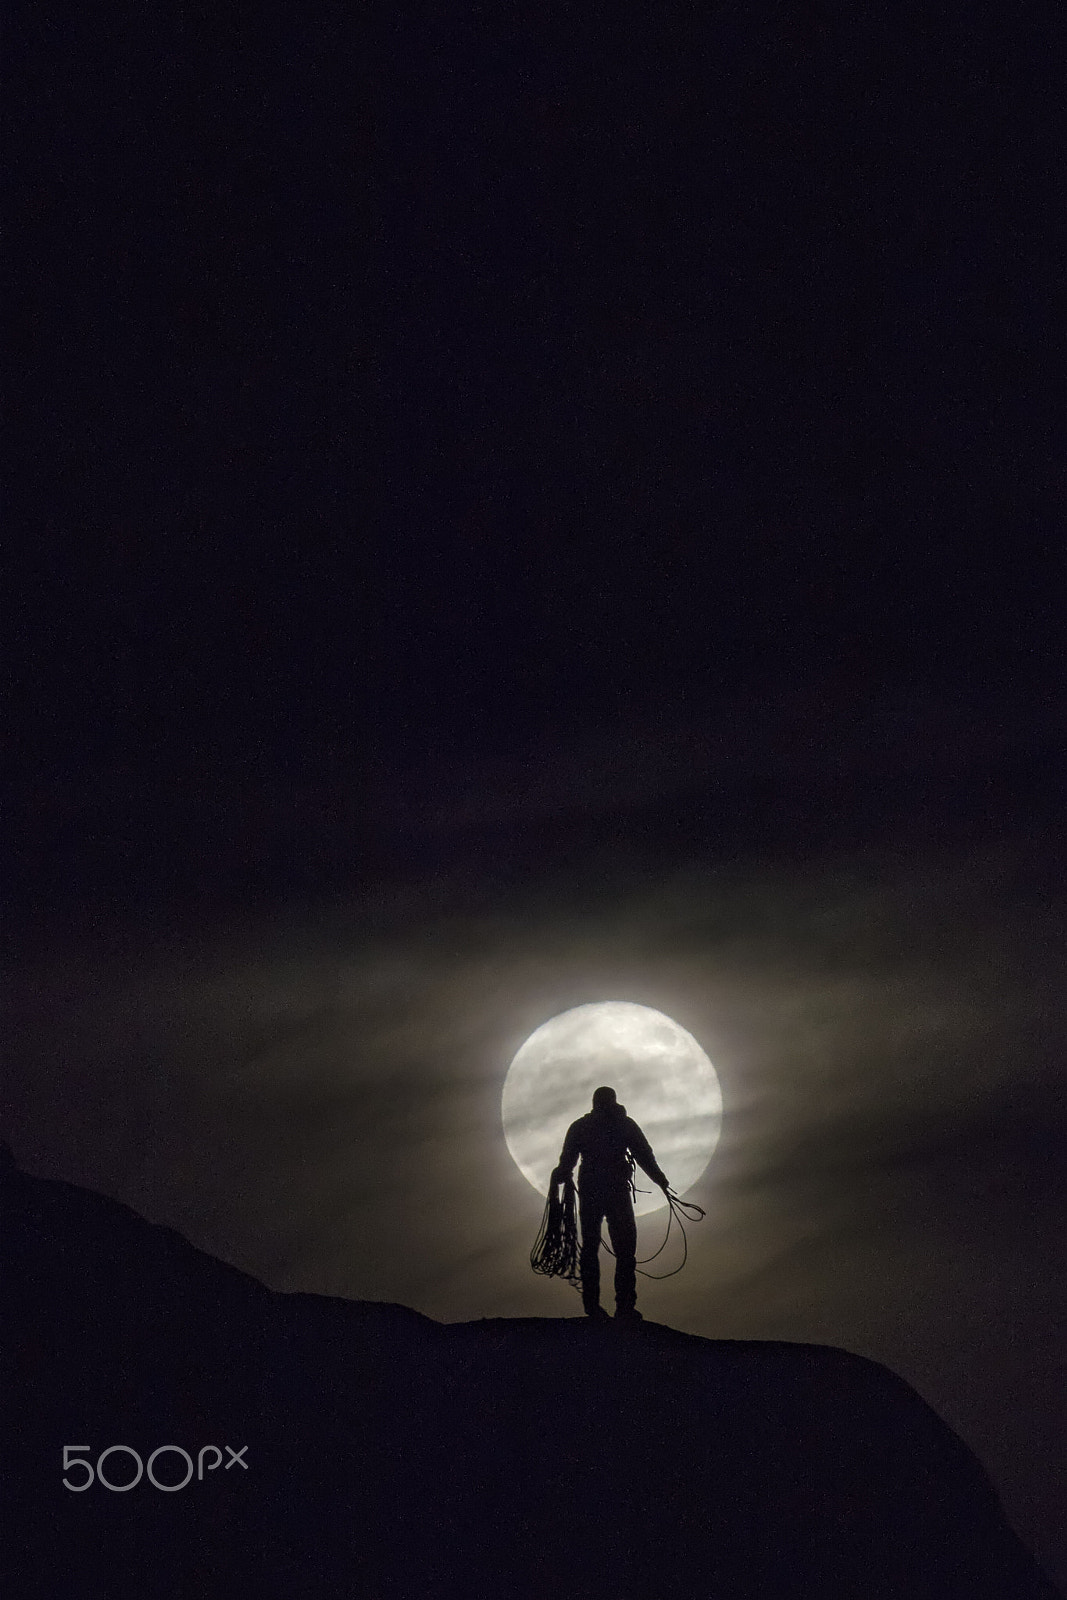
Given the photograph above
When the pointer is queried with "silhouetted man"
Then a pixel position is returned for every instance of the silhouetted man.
(605, 1139)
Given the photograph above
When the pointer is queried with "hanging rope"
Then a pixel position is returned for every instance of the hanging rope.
(555, 1251)
(678, 1209)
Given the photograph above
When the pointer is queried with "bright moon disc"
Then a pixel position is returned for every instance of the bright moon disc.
(657, 1069)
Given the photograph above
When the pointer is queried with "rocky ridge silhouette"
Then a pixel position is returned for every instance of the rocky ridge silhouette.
(391, 1457)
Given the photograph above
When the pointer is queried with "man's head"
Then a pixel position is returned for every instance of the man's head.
(604, 1099)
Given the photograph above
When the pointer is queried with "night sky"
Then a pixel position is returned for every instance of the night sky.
(517, 512)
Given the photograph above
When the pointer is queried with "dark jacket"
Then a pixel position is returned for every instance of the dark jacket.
(602, 1139)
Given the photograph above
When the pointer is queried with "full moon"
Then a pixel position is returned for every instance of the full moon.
(657, 1069)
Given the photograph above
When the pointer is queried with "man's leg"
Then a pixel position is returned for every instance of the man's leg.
(622, 1231)
(590, 1212)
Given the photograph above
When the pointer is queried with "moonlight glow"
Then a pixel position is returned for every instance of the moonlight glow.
(658, 1070)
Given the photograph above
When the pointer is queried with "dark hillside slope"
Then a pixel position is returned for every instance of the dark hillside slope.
(390, 1456)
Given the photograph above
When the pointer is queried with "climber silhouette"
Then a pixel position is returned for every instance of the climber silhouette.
(605, 1138)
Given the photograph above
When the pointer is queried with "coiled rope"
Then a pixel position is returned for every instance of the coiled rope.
(555, 1250)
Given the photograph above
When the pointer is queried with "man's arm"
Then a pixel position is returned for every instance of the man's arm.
(641, 1151)
(568, 1156)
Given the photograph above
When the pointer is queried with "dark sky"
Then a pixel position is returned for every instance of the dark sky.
(513, 513)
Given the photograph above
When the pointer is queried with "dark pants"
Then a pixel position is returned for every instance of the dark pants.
(616, 1205)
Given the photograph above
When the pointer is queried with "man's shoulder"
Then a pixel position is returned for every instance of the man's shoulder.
(633, 1128)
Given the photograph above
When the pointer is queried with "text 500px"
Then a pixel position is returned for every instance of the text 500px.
(73, 1455)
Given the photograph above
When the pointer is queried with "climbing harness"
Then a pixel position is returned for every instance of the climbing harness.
(555, 1250)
